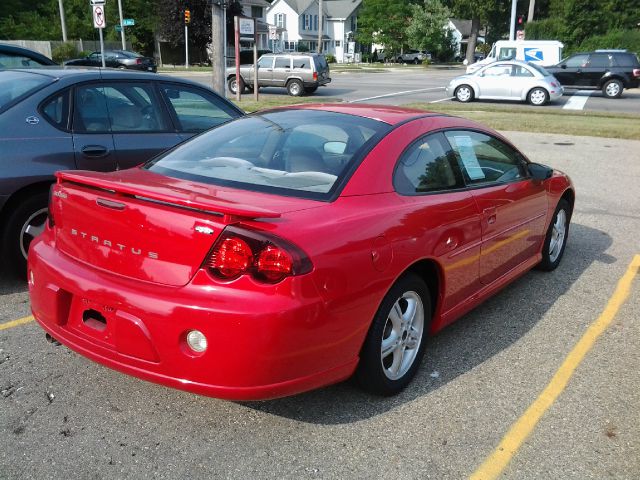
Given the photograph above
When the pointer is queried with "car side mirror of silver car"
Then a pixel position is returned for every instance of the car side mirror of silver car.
(540, 172)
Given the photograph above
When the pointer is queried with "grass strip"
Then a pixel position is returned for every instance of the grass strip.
(248, 104)
(524, 119)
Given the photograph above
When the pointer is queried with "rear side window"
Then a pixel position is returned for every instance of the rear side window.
(90, 110)
(56, 110)
(301, 63)
(196, 111)
(283, 62)
(484, 159)
(426, 167)
(134, 108)
(626, 60)
(600, 61)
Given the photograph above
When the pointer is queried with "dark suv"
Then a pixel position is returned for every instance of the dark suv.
(608, 70)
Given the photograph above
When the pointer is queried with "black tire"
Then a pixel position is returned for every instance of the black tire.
(613, 88)
(295, 88)
(538, 97)
(231, 83)
(552, 254)
(15, 241)
(372, 373)
(464, 93)
(310, 89)
(416, 61)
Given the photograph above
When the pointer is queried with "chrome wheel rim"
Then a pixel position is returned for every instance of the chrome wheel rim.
(294, 89)
(33, 227)
(538, 97)
(613, 89)
(558, 235)
(463, 94)
(233, 86)
(402, 335)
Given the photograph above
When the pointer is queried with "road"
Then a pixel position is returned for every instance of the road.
(409, 84)
(63, 416)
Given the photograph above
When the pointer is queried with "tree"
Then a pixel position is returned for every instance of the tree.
(384, 22)
(428, 30)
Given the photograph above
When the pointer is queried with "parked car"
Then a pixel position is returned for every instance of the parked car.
(116, 59)
(608, 70)
(292, 248)
(299, 73)
(413, 56)
(87, 119)
(13, 56)
(512, 80)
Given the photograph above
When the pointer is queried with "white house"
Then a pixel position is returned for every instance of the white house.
(298, 23)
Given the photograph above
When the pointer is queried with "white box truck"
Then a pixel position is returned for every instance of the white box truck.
(541, 52)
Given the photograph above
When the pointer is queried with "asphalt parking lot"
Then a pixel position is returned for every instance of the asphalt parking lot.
(64, 416)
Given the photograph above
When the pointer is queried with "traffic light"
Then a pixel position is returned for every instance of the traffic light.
(520, 20)
(187, 17)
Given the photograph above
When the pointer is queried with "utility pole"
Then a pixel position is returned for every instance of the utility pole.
(319, 49)
(63, 21)
(532, 6)
(512, 24)
(218, 62)
(124, 43)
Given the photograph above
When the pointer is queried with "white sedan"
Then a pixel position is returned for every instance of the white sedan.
(507, 80)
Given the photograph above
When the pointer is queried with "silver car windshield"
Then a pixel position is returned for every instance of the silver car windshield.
(291, 152)
(16, 85)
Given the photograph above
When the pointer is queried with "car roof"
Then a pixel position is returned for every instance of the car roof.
(16, 49)
(387, 114)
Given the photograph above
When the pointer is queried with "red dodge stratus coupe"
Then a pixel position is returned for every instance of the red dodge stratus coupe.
(293, 248)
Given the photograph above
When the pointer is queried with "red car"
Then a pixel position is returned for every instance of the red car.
(293, 248)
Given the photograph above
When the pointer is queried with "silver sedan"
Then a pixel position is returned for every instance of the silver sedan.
(507, 80)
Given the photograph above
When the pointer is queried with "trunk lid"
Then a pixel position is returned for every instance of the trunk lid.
(148, 227)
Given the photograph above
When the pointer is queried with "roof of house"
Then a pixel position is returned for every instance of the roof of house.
(464, 27)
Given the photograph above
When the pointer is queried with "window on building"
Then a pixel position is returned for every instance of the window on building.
(338, 43)
(256, 12)
(315, 22)
(281, 20)
(307, 22)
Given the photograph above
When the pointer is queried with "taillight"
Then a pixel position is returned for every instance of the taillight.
(239, 251)
(315, 76)
(138, 61)
(636, 72)
(554, 84)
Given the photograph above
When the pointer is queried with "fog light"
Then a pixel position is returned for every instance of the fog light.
(196, 341)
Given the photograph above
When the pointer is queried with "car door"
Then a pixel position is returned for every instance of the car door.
(194, 110)
(281, 71)
(92, 139)
(444, 213)
(94, 60)
(597, 66)
(494, 81)
(265, 71)
(512, 205)
(140, 124)
(521, 82)
(571, 70)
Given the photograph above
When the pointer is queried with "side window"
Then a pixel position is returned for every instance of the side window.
(134, 108)
(56, 110)
(484, 159)
(521, 71)
(265, 62)
(507, 54)
(196, 111)
(301, 63)
(90, 110)
(283, 62)
(577, 61)
(497, 71)
(425, 167)
(600, 61)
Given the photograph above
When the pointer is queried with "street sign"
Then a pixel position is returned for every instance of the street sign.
(520, 35)
(128, 22)
(246, 27)
(118, 28)
(273, 32)
(99, 20)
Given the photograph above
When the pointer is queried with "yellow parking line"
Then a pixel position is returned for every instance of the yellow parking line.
(515, 437)
(16, 323)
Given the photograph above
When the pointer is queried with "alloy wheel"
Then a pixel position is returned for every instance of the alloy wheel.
(33, 227)
(558, 235)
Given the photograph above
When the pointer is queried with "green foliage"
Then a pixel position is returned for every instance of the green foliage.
(330, 58)
(384, 22)
(303, 47)
(547, 29)
(426, 29)
(65, 51)
(623, 39)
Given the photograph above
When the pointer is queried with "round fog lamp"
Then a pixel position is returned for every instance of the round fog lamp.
(196, 341)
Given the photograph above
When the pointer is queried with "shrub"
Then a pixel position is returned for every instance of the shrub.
(623, 39)
(63, 52)
(330, 58)
(547, 29)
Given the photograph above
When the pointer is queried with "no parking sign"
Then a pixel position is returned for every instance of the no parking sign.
(99, 18)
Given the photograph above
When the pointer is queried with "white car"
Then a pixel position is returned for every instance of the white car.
(507, 80)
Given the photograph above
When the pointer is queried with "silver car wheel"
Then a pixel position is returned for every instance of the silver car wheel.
(464, 93)
(33, 227)
(538, 97)
(558, 235)
(402, 335)
(612, 89)
(295, 89)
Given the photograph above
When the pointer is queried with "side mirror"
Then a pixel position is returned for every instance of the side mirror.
(540, 172)
(563, 66)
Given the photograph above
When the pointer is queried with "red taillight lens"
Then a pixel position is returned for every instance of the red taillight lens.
(274, 264)
(554, 84)
(232, 258)
(267, 258)
(315, 76)
(138, 61)
(636, 72)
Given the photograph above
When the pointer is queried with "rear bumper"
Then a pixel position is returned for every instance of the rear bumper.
(260, 346)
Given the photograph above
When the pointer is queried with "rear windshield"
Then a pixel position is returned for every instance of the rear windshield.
(302, 153)
(321, 63)
(16, 85)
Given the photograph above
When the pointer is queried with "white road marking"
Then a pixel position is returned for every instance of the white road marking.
(395, 94)
(442, 100)
(578, 100)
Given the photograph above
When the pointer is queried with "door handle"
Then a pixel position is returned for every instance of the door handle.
(95, 151)
(490, 214)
